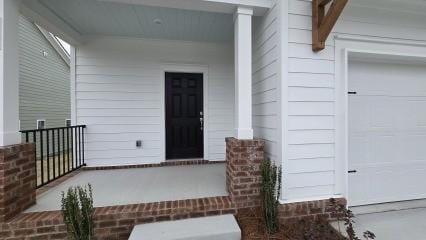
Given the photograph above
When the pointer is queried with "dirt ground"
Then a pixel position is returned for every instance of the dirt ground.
(253, 228)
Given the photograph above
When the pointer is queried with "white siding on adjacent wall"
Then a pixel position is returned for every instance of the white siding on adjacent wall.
(44, 81)
(119, 96)
(311, 91)
(265, 81)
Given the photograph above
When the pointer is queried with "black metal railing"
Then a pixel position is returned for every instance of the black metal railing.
(59, 151)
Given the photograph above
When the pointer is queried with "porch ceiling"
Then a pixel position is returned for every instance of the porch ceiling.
(93, 17)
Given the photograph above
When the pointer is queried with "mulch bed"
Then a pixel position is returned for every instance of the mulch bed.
(253, 228)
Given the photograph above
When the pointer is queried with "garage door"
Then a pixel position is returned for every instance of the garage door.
(387, 132)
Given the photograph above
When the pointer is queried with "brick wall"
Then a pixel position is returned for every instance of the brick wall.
(243, 179)
(115, 222)
(310, 209)
(17, 180)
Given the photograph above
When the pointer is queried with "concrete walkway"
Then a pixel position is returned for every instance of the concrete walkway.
(407, 224)
(143, 185)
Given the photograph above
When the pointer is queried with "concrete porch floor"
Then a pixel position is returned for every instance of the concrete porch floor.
(141, 185)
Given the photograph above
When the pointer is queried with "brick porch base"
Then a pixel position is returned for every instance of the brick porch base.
(243, 183)
(115, 222)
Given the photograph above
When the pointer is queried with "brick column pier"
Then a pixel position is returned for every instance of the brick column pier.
(243, 179)
(18, 179)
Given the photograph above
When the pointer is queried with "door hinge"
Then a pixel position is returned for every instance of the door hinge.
(352, 93)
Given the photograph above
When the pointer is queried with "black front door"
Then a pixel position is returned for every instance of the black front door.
(184, 115)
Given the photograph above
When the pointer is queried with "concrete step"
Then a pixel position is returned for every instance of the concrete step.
(223, 227)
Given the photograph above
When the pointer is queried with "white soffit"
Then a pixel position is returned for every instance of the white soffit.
(95, 17)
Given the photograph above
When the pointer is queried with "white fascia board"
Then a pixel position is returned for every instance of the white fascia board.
(43, 17)
(55, 44)
(251, 3)
(222, 6)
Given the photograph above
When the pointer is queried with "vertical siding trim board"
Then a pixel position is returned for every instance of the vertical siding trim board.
(368, 47)
(73, 83)
(283, 90)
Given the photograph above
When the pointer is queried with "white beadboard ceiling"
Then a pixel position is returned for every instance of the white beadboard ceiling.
(92, 17)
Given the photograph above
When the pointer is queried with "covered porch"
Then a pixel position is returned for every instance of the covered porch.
(122, 53)
(155, 80)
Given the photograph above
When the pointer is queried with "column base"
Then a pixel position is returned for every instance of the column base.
(243, 177)
(9, 138)
(244, 134)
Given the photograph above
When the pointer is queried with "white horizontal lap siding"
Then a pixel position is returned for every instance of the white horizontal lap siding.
(265, 77)
(119, 96)
(311, 91)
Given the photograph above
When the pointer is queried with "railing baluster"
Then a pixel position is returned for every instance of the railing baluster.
(76, 147)
(79, 146)
(54, 155)
(68, 149)
(26, 137)
(48, 155)
(63, 150)
(72, 149)
(35, 154)
(59, 151)
(84, 160)
(41, 158)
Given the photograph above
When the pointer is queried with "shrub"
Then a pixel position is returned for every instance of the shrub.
(77, 212)
(348, 220)
(270, 194)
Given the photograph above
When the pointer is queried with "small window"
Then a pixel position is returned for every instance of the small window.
(68, 122)
(41, 123)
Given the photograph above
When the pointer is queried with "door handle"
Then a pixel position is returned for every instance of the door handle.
(352, 171)
(201, 123)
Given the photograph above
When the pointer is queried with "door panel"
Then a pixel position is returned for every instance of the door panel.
(387, 133)
(184, 115)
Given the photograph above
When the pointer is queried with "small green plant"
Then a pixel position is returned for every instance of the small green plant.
(77, 212)
(346, 215)
(270, 193)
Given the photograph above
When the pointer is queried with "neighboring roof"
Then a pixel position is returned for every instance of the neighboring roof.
(55, 44)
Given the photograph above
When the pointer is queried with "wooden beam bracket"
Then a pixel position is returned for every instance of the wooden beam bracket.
(323, 22)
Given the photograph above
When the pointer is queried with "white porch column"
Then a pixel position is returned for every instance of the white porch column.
(9, 73)
(243, 73)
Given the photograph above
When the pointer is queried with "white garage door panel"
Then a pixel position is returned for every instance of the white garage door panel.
(387, 133)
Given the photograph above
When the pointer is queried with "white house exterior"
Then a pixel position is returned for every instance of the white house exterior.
(260, 79)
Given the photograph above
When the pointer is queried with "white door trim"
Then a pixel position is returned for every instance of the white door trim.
(344, 47)
(185, 68)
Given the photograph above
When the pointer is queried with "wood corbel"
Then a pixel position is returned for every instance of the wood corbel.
(322, 22)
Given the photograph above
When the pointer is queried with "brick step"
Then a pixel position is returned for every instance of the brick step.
(223, 227)
(116, 222)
